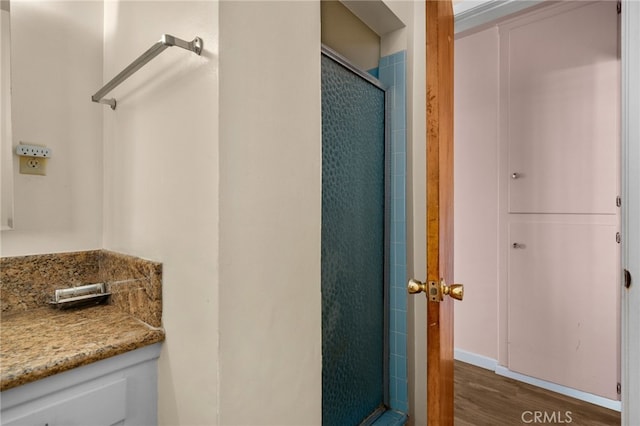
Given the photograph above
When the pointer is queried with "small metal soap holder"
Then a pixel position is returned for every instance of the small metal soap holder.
(76, 297)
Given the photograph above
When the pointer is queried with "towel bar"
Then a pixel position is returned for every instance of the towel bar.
(165, 41)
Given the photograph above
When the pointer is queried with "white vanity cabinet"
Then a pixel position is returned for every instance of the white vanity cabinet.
(121, 390)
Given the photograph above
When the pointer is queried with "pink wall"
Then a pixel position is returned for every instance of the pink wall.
(476, 191)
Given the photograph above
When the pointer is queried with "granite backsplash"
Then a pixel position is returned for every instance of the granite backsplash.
(29, 282)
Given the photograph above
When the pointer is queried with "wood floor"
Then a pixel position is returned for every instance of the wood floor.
(485, 398)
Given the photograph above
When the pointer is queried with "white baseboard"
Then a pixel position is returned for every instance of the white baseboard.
(475, 359)
(492, 364)
(554, 387)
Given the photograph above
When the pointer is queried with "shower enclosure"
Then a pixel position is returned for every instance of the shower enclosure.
(354, 244)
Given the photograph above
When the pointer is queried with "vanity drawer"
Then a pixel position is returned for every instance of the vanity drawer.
(105, 405)
(121, 390)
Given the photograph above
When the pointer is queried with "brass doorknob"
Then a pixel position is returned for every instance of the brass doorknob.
(436, 291)
(415, 286)
(454, 290)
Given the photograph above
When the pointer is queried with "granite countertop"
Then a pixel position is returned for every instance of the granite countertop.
(41, 342)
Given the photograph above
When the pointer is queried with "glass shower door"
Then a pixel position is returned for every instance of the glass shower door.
(353, 246)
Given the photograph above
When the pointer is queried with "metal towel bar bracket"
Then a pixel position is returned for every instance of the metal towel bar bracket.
(166, 40)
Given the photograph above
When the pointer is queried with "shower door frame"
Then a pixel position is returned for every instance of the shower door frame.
(345, 63)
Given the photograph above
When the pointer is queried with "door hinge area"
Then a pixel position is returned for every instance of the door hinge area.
(619, 7)
(619, 388)
(618, 201)
(618, 238)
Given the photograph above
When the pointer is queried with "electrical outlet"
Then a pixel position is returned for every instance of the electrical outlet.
(33, 166)
(27, 150)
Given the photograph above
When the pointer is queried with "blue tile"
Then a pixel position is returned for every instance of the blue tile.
(386, 74)
(395, 360)
(391, 418)
(402, 406)
(398, 118)
(390, 97)
(393, 388)
(392, 403)
(394, 178)
(398, 140)
(401, 370)
(402, 390)
(401, 301)
(401, 352)
(401, 257)
(401, 279)
(400, 101)
(401, 321)
(398, 274)
(401, 346)
(396, 236)
(399, 163)
(393, 299)
(392, 320)
(399, 210)
(400, 232)
(394, 338)
(374, 72)
(400, 75)
(400, 78)
(392, 72)
(393, 236)
(398, 183)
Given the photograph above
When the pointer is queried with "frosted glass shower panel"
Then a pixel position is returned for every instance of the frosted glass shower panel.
(353, 246)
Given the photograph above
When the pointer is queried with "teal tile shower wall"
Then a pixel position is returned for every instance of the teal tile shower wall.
(392, 73)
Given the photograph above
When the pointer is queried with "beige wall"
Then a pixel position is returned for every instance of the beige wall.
(162, 187)
(56, 67)
(6, 144)
(270, 207)
(417, 212)
(346, 34)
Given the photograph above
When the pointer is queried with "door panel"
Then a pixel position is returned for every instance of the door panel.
(439, 38)
(353, 246)
(439, 206)
(563, 296)
(563, 123)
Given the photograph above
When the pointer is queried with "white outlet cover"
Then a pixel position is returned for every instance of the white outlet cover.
(25, 150)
